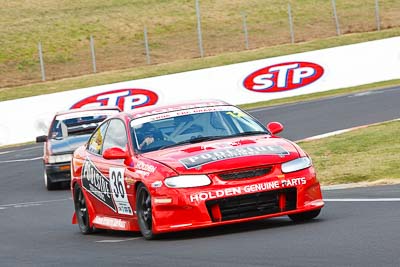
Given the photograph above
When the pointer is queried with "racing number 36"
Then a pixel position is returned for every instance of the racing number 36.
(117, 184)
(118, 190)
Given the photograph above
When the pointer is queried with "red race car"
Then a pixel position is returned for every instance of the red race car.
(181, 167)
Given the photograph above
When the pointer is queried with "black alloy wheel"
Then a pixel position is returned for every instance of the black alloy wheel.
(81, 211)
(143, 212)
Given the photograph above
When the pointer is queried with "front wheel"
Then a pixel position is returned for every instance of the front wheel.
(81, 211)
(304, 216)
(143, 212)
(48, 183)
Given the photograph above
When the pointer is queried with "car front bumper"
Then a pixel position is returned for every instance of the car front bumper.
(58, 172)
(193, 208)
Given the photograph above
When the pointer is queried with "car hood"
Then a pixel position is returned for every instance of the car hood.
(67, 145)
(226, 154)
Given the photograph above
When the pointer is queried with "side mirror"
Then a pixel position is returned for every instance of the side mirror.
(275, 127)
(115, 153)
(41, 139)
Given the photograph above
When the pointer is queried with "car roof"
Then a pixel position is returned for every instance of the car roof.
(152, 110)
(76, 110)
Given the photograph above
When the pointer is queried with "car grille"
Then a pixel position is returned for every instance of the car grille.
(244, 174)
(252, 205)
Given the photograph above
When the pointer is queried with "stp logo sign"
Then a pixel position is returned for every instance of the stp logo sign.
(125, 99)
(283, 77)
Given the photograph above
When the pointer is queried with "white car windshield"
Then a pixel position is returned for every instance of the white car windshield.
(192, 126)
(78, 123)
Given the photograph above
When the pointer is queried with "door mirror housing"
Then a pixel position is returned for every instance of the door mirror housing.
(275, 127)
(115, 153)
(41, 139)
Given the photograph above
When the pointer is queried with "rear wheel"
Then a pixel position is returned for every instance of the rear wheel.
(143, 212)
(304, 216)
(81, 211)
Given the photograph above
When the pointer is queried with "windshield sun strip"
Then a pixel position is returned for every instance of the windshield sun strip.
(178, 113)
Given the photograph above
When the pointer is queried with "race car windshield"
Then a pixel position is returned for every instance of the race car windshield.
(77, 123)
(196, 125)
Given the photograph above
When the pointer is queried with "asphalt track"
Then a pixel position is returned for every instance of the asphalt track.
(357, 227)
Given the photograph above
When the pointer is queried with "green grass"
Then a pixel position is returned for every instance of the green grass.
(365, 155)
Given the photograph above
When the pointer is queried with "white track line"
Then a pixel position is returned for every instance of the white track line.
(17, 150)
(19, 160)
(35, 203)
(118, 240)
(362, 199)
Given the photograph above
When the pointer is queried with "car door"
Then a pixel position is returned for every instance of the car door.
(115, 169)
(95, 178)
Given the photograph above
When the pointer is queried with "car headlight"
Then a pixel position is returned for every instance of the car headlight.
(296, 165)
(186, 181)
(60, 158)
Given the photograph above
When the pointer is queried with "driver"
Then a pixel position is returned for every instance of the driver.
(150, 134)
(146, 142)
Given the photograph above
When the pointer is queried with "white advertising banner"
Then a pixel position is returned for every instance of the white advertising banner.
(304, 73)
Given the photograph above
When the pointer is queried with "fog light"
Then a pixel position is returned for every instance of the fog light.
(65, 168)
(164, 200)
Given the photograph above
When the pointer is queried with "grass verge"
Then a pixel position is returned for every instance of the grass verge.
(366, 155)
